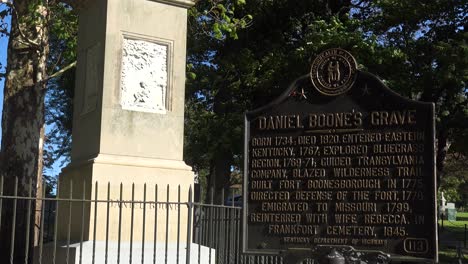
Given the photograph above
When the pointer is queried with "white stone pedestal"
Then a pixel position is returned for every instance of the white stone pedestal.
(137, 253)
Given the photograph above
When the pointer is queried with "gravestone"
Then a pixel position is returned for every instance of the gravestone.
(128, 127)
(451, 212)
(339, 166)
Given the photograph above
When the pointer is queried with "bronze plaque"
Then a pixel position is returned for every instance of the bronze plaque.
(340, 159)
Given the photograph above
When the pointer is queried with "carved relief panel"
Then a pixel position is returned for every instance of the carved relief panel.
(145, 78)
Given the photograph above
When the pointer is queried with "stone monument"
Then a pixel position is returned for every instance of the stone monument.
(442, 207)
(128, 122)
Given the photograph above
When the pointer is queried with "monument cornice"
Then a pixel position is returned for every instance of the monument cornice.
(180, 3)
(83, 4)
(123, 160)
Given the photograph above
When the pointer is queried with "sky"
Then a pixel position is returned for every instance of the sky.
(3, 56)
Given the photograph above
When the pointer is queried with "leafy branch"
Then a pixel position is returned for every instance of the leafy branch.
(61, 71)
(4, 26)
(217, 18)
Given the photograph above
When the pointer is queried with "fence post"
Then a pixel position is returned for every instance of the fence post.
(178, 223)
(144, 226)
(1, 199)
(28, 221)
(54, 254)
(211, 238)
(41, 230)
(155, 222)
(70, 196)
(95, 221)
(189, 225)
(83, 198)
(132, 215)
(107, 224)
(119, 235)
(199, 224)
(167, 224)
(464, 241)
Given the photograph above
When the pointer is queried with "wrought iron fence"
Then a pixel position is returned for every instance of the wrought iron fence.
(87, 224)
(101, 226)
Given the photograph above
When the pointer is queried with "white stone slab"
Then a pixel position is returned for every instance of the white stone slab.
(112, 253)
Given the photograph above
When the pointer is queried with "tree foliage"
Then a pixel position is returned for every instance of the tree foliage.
(60, 89)
(235, 75)
(417, 47)
(454, 184)
(432, 62)
(56, 82)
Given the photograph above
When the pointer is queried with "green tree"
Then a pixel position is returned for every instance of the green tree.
(60, 89)
(30, 65)
(454, 184)
(417, 47)
(429, 38)
(23, 117)
(234, 75)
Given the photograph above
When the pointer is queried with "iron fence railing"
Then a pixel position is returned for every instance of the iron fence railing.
(89, 224)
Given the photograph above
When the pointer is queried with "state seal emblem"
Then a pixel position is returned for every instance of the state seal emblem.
(333, 72)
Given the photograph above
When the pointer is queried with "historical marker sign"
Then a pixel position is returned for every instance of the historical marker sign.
(340, 159)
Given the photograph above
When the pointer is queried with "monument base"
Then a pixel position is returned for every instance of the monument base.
(95, 252)
(124, 195)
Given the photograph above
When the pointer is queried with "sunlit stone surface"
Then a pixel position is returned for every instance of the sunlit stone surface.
(144, 76)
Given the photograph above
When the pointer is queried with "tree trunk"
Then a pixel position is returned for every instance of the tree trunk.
(220, 171)
(220, 176)
(22, 121)
(442, 149)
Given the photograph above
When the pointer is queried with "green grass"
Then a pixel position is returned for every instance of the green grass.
(447, 255)
(456, 230)
(462, 217)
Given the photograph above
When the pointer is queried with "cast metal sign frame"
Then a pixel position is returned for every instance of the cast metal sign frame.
(302, 91)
